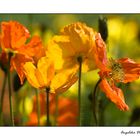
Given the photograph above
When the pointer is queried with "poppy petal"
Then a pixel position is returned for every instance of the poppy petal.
(81, 36)
(45, 69)
(63, 80)
(34, 48)
(114, 94)
(19, 34)
(17, 63)
(29, 70)
(131, 69)
(100, 53)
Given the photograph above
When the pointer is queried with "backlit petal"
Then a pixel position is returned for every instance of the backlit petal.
(114, 94)
(54, 52)
(19, 34)
(76, 40)
(13, 35)
(5, 35)
(17, 63)
(81, 37)
(63, 80)
(46, 69)
(65, 44)
(131, 69)
(40, 76)
(29, 70)
(34, 48)
(100, 53)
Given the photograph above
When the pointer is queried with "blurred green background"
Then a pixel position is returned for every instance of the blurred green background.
(123, 41)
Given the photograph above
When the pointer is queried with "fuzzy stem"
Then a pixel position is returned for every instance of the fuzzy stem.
(48, 106)
(10, 92)
(79, 87)
(38, 107)
(2, 97)
(94, 101)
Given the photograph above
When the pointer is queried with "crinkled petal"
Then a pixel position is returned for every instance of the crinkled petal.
(17, 63)
(63, 80)
(5, 36)
(114, 94)
(75, 40)
(19, 34)
(29, 70)
(41, 76)
(100, 53)
(13, 35)
(65, 44)
(34, 48)
(46, 69)
(131, 69)
(54, 52)
(82, 37)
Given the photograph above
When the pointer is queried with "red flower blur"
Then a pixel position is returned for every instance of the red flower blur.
(67, 111)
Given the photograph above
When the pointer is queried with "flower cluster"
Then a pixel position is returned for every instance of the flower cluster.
(56, 65)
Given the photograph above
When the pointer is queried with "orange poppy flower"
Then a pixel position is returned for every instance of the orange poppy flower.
(67, 112)
(43, 76)
(13, 38)
(75, 40)
(113, 71)
(13, 35)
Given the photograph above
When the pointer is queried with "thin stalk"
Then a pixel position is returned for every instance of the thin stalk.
(38, 107)
(79, 88)
(48, 106)
(2, 97)
(94, 101)
(10, 92)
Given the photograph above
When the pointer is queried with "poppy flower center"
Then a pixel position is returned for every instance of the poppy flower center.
(117, 72)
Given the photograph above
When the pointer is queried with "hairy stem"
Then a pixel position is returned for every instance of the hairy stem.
(94, 101)
(79, 87)
(48, 106)
(10, 92)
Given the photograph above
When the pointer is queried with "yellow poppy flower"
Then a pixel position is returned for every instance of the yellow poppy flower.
(75, 40)
(43, 76)
(40, 76)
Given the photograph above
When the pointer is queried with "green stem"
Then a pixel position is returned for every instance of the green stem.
(10, 92)
(94, 101)
(38, 107)
(2, 97)
(48, 106)
(79, 87)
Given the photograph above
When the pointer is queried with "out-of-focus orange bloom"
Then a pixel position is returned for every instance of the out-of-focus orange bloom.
(66, 115)
(44, 76)
(113, 71)
(75, 40)
(13, 38)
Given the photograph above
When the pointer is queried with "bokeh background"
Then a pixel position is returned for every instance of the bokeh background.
(123, 41)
